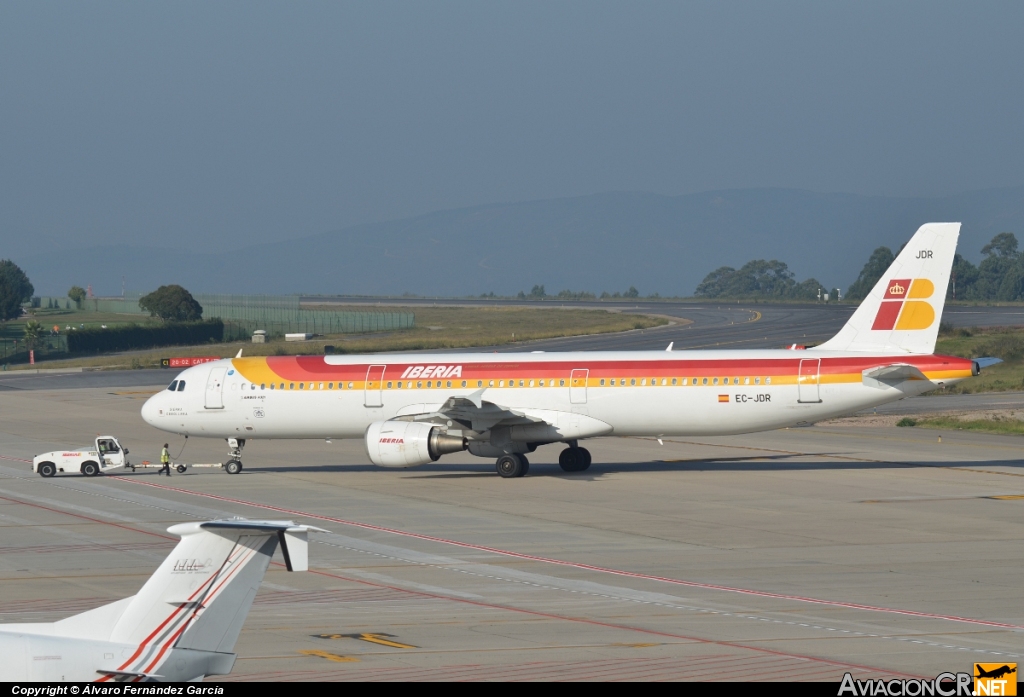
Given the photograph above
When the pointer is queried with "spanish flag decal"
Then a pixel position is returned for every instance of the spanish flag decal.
(903, 306)
(723, 398)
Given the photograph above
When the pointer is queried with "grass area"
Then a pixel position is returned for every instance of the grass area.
(436, 328)
(1001, 342)
(63, 319)
(997, 424)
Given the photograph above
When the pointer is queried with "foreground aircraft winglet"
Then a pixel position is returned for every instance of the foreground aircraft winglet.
(181, 625)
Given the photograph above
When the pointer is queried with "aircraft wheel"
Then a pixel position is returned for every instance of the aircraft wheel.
(47, 469)
(574, 459)
(90, 469)
(511, 466)
(526, 465)
(181, 469)
(233, 467)
(586, 458)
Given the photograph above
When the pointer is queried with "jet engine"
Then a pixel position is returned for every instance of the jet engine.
(409, 443)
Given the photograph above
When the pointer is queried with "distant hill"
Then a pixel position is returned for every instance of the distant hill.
(609, 241)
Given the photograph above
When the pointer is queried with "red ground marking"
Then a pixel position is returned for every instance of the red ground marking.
(535, 613)
(85, 517)
(611, 625)
(580, 565)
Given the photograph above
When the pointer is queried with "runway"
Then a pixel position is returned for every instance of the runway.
(793, 555)
(710, 326)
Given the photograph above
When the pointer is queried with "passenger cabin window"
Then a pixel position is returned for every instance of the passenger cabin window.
(173, 386)
(181, 385)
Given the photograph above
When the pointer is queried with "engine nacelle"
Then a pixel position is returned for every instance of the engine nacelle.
(409, 443)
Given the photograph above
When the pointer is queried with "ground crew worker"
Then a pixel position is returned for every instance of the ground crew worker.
(165, 460)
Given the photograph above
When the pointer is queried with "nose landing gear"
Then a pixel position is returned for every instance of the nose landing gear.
(234, 465)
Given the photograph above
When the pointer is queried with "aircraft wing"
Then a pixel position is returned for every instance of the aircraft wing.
(475, 413)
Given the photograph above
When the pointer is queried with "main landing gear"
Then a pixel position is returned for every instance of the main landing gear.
(234, 465)
(512, 465)
(574, 459)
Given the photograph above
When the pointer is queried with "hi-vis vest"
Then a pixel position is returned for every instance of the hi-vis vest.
(165, 456)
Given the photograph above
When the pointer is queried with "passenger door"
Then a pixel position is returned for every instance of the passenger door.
(578, 386)
(807, 381)
(373, 391)
(215, 388)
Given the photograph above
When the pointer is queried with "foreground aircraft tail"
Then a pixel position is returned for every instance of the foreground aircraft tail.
(901, 313)
(199, 597)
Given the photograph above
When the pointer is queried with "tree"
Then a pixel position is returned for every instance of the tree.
(33, 330)
(1000, 258)
(714, 283)
(631, 293)
(962, 280)
(1004, 245)
(77, 294)
(15, 289)
(880, 260)
(172, 303)
(538, 292)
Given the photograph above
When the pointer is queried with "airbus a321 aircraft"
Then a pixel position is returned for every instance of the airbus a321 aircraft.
(412, 409)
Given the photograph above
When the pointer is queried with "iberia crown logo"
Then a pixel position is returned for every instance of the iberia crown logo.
(904, 307)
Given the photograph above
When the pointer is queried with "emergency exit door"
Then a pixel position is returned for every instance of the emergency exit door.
(808, 381)
(373, 390)
(215, 388)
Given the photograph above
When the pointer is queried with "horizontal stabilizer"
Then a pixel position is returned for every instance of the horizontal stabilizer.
(900, 371)
(986, 362)
(886, 376)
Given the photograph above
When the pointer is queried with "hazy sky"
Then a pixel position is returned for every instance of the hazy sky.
(221, 123)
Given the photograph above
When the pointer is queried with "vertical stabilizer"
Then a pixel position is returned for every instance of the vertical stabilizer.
(903, 310)
(200, 595)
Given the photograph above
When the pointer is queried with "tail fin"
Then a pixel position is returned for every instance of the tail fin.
(200, 595)
(902, 312)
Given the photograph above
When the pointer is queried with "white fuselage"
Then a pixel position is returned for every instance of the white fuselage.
(683, 393)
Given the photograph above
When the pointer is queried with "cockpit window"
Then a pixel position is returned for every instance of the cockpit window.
(181, 385)
(173, 386)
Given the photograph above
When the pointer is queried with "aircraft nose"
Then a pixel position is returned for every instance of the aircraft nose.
(151, 410)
